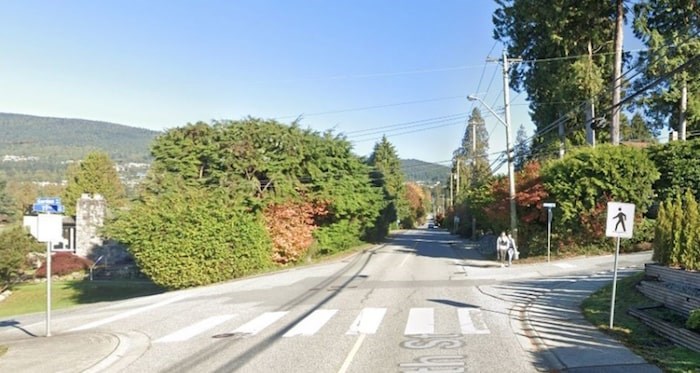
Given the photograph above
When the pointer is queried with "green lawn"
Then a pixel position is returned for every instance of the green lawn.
(30, 298)
(632, 332)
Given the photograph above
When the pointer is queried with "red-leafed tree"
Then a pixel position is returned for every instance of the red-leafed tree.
(417, 201)
(290, 226)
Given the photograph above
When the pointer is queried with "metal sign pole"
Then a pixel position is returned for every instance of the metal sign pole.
(549, 231)
(614, 288)
(48, 288)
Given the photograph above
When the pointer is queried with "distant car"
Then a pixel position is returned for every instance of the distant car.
(431, 226)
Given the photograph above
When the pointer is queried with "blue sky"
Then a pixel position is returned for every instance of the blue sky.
(160, 64)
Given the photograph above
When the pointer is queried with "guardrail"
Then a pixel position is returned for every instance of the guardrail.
(666, 274)
(680, 302)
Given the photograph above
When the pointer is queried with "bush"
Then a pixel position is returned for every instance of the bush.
(193, 237)
(693, 322)
(586, 179)
(677, 233)
(15, 244)
(64, 263)
(337, 237)
(679, 167)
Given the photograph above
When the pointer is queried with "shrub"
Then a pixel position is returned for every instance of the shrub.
(15, 244)
(693, 322)
(64, 263)
(586, 179)
(193, 236)
(290, 226)
(679, 167)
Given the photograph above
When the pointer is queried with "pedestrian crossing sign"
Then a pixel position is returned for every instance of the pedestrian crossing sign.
(620, 220)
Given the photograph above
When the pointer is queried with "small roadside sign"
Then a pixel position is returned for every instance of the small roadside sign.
(620, 220)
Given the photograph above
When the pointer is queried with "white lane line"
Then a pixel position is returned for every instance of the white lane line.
(404, 260)
(471, 321)
(351, 354)
(195, 329)
(367, 322)
(259, 323)
(126, 314)
(311, 324)
(420, 321)
(565, 265)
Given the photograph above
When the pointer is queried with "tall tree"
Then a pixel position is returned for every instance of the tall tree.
(6, 202)
(636, 130)
(387, 174)
(522, 148)
(669, 29)
(96, 174)
(471, 158)
(567, 48)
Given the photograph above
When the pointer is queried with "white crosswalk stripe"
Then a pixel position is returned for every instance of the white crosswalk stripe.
(259, 323)
(196, 329)
(471, 321)
(367, 322)
(419, 321)
(311, 324)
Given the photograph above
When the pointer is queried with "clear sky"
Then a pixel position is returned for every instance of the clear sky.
(407, 65)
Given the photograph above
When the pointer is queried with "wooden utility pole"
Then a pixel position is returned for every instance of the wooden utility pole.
(617, 76)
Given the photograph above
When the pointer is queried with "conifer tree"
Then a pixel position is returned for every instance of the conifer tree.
(662, 233)
(690, 257)
(676, 231)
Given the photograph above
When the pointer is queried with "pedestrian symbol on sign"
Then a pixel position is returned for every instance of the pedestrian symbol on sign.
(620, 220)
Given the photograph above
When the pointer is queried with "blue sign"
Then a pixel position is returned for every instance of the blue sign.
(47, 208)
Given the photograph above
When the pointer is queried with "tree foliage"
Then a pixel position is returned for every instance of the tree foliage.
(472, 156)
(677, 233)
(7, 205)
(418, 203)
(578, 35)
(387, 174)
(585, 180)
(15, 244)
(96, 174)
(235, 197)
(669, 29)
(679, 168)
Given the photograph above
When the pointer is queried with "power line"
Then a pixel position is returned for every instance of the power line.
(370, 107)
(374, 129)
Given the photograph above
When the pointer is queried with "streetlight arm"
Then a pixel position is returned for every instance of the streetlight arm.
(474, 98)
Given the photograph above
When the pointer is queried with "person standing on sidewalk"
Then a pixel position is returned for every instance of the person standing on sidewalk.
(512, 249)
(502, 248)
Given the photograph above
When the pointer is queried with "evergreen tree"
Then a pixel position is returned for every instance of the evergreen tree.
(387, 174)
(676, 231)
(690, 256)
(670, 29)
(662, 233)
(637, 130)
(579, 37)
(7, 207)
(521, 149)
(472, 155)
(96, 174)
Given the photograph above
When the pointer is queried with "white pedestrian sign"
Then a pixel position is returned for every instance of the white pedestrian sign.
(620, 220)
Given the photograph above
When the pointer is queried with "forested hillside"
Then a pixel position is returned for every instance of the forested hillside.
(39, 148)
(420, 171)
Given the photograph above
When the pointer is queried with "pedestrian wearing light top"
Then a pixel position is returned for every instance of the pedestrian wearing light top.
(512, 250)
(502, 244)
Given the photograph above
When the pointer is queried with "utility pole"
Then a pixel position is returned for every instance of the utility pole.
(458, 181)
(684, 108)
(511, 170)
(473, 182)
(617, 78)
(590, 117)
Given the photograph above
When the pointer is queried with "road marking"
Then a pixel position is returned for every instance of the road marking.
(126, 314)
(195, 329)
(404, 260)
(351, 354)
(565, 265)
(471, 321)
(420, 321)
(311, 324)
(367, 322)
(259, 323)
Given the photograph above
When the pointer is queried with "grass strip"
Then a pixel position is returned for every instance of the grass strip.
(633, 333)
(31, 297)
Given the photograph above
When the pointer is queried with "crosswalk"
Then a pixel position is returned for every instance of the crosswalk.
(368, 321)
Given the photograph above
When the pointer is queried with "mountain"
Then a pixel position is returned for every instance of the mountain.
(36, 148)
(424, 172)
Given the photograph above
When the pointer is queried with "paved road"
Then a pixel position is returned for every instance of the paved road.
(422, 302)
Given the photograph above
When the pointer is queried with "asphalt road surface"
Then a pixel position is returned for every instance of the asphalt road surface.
(422, 302)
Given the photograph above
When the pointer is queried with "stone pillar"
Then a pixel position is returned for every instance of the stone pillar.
(89, 217)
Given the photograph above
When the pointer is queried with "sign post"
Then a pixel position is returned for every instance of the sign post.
(48, 230)
(549, 207)
(619, 224)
